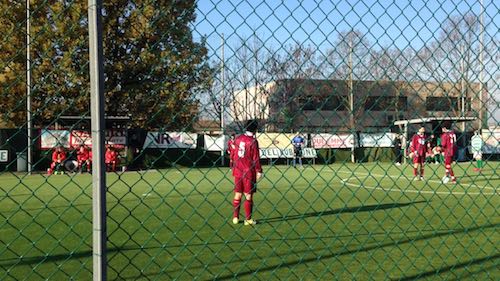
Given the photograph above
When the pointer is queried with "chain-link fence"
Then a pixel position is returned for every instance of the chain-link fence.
(378, 131)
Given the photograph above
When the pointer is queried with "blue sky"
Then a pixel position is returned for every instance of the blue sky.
(386, 23)
(397, 23)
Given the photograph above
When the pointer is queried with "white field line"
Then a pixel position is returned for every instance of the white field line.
(345, 181)
(434, 181)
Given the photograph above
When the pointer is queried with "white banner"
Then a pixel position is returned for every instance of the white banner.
(266, 153)
(170, 140)
(332, 141)
(215, 143)
(4, 155)
(377, 140)
(52, 138)
(491, 138)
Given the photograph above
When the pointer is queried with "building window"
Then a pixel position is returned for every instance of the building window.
(327, 103)
(441, 104)
(384, 103)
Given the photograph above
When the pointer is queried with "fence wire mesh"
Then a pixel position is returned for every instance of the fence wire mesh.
(340, 90)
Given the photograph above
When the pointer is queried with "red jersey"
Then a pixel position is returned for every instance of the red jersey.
(82, 155)
(58, 156)
(245, 156)
(448, 143)
(110, 156)
(418, 145)
(230, 146)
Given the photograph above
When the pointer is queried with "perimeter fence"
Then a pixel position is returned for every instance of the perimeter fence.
(349, 82)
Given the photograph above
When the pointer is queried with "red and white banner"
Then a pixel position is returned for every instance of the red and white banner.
(332, 141)
(68, 139)
(116, 137)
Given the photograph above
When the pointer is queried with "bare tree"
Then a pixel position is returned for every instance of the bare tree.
(349, 43)
(293, 63)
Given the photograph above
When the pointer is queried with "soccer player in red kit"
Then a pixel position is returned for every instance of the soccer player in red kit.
(58, 158)
(82, 157)
(111, 159)
(231, 149)
(448, 144)
(246, 171)
(418, 149)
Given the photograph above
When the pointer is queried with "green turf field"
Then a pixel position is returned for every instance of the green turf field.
(338, 222)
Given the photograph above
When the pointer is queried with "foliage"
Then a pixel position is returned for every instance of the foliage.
(152, 65)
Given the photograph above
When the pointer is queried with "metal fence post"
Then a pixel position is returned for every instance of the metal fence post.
(99, 234)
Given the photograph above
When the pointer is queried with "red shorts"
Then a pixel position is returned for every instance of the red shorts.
(244, 185)
(448, 159)
(418, 160)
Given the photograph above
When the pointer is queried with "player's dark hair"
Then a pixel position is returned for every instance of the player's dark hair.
(252, 126)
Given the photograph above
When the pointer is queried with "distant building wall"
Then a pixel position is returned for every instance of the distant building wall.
(323, 105)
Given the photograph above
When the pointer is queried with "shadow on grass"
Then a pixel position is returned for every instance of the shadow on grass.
(444, 269)
(86, 254)
(57, 257)
(357, 209)
(375, 246)
(370, 247)
(366, 248)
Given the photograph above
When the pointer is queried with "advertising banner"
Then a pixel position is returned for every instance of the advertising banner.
(491, 138)
(4, 155)
(68, 139)
(215, 143)
(80, 138)
(170, 140)
(332, 141)
(52, 138)
(270, 153)
(116, 136)
(377, 140)
(275, 140)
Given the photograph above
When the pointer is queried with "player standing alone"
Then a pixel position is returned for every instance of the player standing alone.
(476, 144)
(418, 149)
(298, 144)
(246, 171)
(448, 144)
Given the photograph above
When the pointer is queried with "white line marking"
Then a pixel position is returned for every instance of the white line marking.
(414, 190)
(345, 181)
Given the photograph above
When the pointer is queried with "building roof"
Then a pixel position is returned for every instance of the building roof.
(433, 119)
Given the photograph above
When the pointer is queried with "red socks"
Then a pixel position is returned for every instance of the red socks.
(236, 208)
(248, 204)
(248, 209)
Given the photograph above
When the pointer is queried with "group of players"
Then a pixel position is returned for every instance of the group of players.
(83, 159)
(448, 148)
(246, 168)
